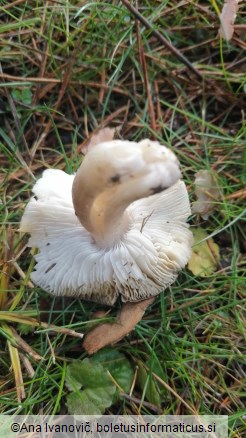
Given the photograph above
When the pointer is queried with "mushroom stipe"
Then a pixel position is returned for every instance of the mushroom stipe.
(128, 238)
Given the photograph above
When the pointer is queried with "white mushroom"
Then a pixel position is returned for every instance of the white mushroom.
(115, 229)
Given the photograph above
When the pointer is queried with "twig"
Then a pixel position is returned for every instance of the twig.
(103, 80)
(18, 318)
(54, 81)
(170, 389)
(151, 406)
(20, 343)
(161, 38)
(146, 80)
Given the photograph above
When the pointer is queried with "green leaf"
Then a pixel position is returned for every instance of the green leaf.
(148, 385)
(89, 374)
(25, 329)
(118, 366)
(93, 390)
(90, 401)
(205, 255)
(16, 94)
(154, 365)
(26, 96)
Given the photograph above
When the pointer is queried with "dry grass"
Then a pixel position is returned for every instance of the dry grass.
(62, 78)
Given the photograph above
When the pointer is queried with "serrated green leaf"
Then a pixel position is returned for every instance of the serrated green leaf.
(118, 366)
(26, 96)
(16, 94)
(97, 388)
(205, 255)
(90, 401)
(88, 373)
(78, 403)
(71, 382)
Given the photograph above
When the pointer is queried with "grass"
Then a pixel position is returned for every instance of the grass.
(64, 74)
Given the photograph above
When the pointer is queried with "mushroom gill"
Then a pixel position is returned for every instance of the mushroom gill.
(116, 228)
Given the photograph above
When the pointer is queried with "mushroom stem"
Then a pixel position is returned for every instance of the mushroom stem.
(104, 214)
(108, 334)
(108, 216)
(99, 208)
(111, 178)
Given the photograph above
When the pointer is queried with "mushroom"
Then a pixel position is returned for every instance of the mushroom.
(115, 229)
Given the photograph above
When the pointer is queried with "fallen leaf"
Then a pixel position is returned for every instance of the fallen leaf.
(99, 136)
(205, 254)
(207, 193)
(108, 334)
(227, 18)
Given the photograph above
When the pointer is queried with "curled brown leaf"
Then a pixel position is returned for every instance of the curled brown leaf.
(207, 193)
(227, 18)
(99, 136)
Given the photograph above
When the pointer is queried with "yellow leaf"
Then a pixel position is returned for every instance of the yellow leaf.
(205, 255)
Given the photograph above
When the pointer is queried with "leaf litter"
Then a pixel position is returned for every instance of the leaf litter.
(227, 18)
(207, 193)
(205, 255)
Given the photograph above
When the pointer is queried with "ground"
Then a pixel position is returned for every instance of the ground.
(69, 69)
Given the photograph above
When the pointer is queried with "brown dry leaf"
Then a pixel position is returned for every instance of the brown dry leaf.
(99, 136)
(227, 18)
(207, 193)
(108, 334)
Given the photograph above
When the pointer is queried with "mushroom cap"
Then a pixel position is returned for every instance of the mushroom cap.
(142, 263)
